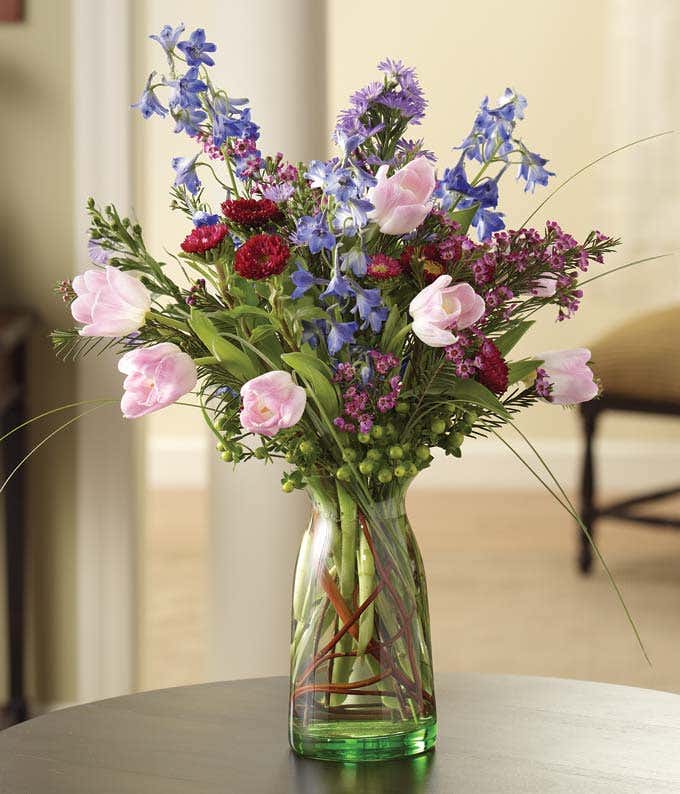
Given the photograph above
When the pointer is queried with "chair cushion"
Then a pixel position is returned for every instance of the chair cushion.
(641, 358)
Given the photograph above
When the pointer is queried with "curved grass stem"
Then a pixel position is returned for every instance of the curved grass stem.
(569, 507)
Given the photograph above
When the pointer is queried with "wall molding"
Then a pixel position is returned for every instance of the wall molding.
(183, 462)
(107, 503)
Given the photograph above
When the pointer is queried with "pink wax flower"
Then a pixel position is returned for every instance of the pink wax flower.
(271, 402)
(110, 302)
(439, 308)
(569, 376)
(157, 376)
(401, 202)
(545, 286)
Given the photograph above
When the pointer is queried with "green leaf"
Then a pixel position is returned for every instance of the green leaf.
(266, 341)
(464, 217)
(519, 370)
(470, 391)
(242, 310)
(311, 313)
(509, 339)
(317, 377)
(390, 328)
(232, 357)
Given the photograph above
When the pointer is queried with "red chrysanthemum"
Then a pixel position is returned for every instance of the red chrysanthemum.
(204, 238)
(493, 372)
(430, 258)
(261, 256)
(250, 212)
(382, 267)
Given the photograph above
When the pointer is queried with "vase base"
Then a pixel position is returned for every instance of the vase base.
(363, 741)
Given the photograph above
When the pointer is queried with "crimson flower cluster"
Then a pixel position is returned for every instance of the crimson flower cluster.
(262, 256)
(475, 356)
(204, 238)
(250, 212)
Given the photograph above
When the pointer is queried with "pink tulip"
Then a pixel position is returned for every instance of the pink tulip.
(570, 378)
(110, 302)
(439, 308)
(271, 402)
(401, 202)
(545, 286)
(157, 376)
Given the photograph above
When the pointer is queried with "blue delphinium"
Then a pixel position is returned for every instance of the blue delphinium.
(168, 38)
(338, 286)
(185, 173)
(532, 170)
(186, 90)
(149, 103)
(303, 281)
(370, 308)
(340, 334)
(313, 232)
(351, 216)
(203, 218)
(196, 48)
(188, 120)
(354, 261)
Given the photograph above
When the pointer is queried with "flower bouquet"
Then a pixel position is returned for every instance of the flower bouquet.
(348, 316)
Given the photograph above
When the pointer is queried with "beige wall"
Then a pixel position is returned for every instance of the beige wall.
(36, 219)
(559, 56)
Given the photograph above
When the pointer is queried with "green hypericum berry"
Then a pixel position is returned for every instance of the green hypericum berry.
(227, 456)
(390, 429)
(412, 469)
(349, 455)
(287, 486)
(374, 454)
(422, 452)
(455, 440)
(366, 466)
(290, 457)
(219, 446)
(378, 431)
(470, 417)
(344, 473)
(400, 471)
(396, 452)
(402, 408)
(363, 438)
(385, 475)
(306, 447)
(260, 453)
(438, 426)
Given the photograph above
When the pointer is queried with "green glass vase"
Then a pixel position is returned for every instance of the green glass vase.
(362, 685)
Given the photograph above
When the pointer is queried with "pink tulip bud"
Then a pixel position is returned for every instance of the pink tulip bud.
(110, 302)
(439, 308)
(271, 402)
(401, 202)
(571, 380)
(157, 376)
(545, 286)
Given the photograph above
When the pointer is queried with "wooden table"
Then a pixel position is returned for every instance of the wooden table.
(498, 734)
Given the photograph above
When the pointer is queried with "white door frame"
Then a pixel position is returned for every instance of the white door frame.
(107, 470)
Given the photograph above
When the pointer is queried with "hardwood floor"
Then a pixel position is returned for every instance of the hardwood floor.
(505, 595)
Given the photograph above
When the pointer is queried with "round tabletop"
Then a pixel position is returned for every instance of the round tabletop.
(497, 734)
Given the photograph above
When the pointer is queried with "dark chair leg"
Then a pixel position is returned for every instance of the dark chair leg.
(589, 414)
(15, 543)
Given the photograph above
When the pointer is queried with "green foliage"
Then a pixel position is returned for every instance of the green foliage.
(317, 377)
(230, 356)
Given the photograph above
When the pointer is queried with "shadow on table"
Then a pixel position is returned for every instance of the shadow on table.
(380, 777)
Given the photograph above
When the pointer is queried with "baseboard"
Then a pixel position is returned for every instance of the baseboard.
(182, 462)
